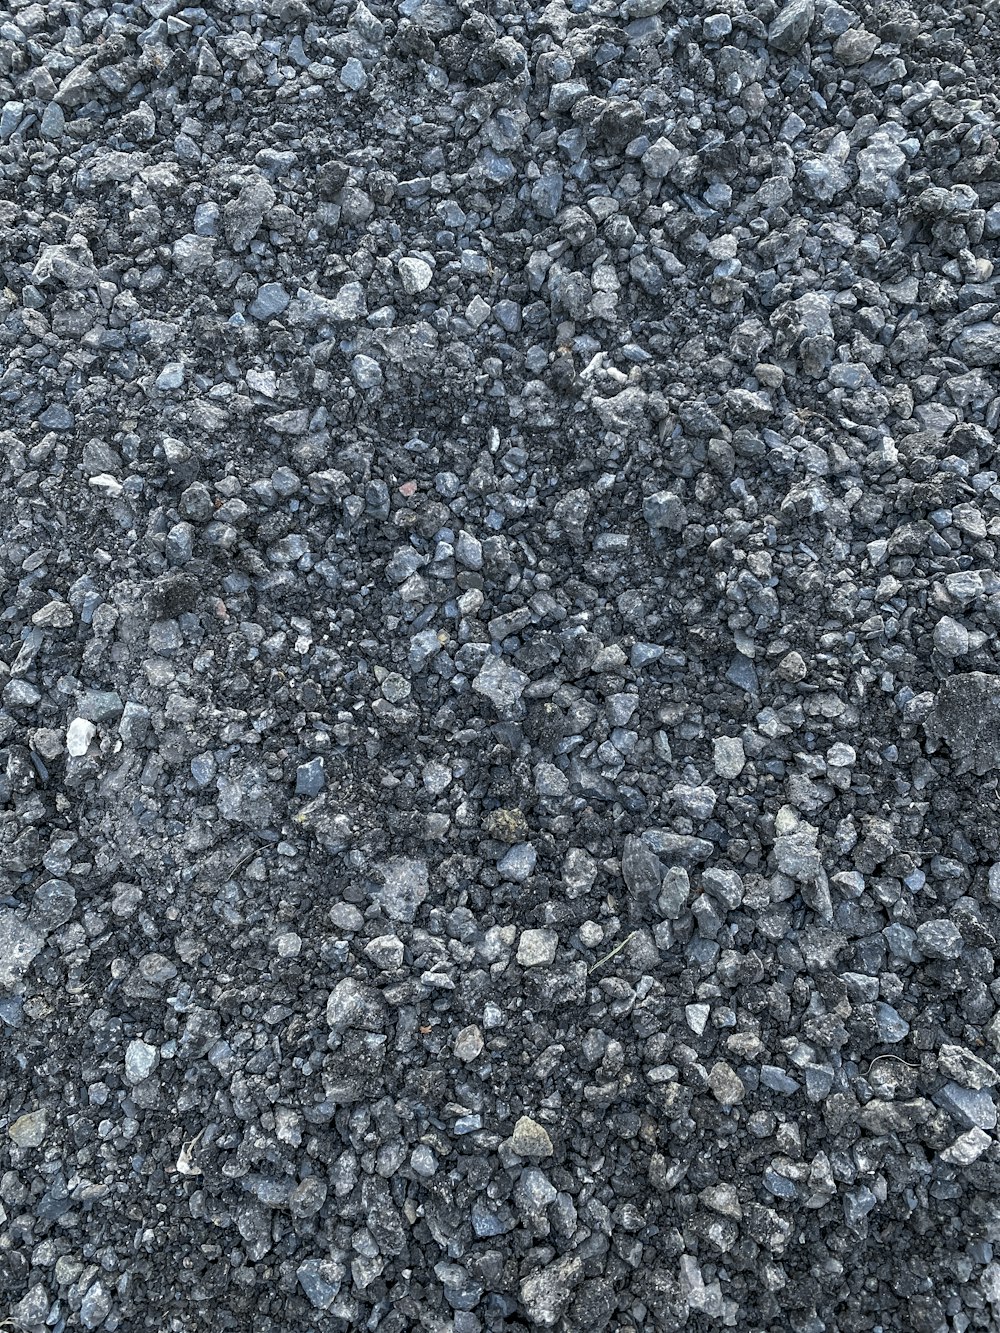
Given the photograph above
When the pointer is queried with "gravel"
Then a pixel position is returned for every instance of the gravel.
(499, 688)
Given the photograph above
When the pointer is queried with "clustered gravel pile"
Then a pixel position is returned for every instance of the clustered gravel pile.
(498, 655)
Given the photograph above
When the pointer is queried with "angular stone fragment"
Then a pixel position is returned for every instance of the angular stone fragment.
(501, 683)
(19, 944)
(641, 867)
(530, 1139)
(790, 28)
(546, 1294)
(404, 887)
(966, 716)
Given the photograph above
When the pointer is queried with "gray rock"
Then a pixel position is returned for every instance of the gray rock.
(271, 300)
(396, 688)
(502, 684)
(386, 952)
(366, 372)
(743, 674)
(140, 1060)
(530, 1139)
(28, 1131)
(891, 1026)
(971, 1108)
(965, 1068)
(939, 939)
(790, 28)
(404, 887)
(729, 757)
(550, 781)
(32, 1308)
(243, 216)
(854, 47)
(321, 1280)
(664, 512)
(310, 778)
(423, 1161)
(20, 944)
(659, 158)
(797, 856)
(519, 863)
(777, 1080)
(674, 894)
(967, 1148)
(469, 551)
(727, 1086)
(537, 948)
(547, 1293)
(345, 916)
(717, 26)
(415, 274)
(469, 1043)
(99, 705)
(352, 1004)
(52, 905)
(10, 118)
(308, 1197)
(57, 416)
(641, 868)
(978, 345)
(424, 647)
(951, 637)
(95, 1307)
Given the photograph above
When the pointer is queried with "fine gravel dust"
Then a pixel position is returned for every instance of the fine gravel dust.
(500, 687)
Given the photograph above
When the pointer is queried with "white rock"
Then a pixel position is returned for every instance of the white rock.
(469, 1043)
(79, 734)
(729, 756)
(415, 275)
(967, 1148)
(140, 1060)
(537, 947)
(951, 637)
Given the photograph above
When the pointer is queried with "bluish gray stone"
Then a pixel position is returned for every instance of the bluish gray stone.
(641, 868)
(891, 1026)
(424, 646)
(970, 1107)
(791, 27)
(353, 75)
(57, 416)
(310, 778)
(939, 939)
(96, 1306)
(404, 888)
(519, 863)
(53, 122)
(271, 300)
(321, 1280)
(501, 683)
(777, 1080)
(664, 512)
(743, 674)
(171, 376)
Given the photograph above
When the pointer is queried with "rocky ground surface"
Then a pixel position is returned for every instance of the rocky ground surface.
(498, 655)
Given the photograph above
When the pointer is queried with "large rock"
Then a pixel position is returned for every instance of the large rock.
(404, 887)
(19, 944)
(978, 345)
(791, 27)
(966, 716)
(502, 684)
(641, 868)
(546, 1294)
